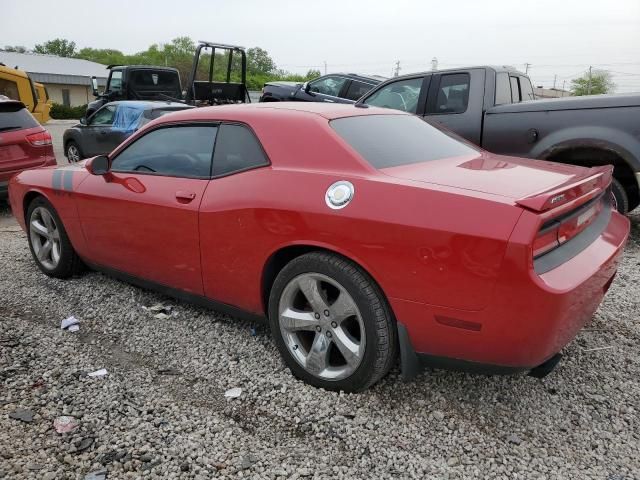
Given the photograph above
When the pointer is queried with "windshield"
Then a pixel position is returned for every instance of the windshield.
(15, 117)
(391, 140)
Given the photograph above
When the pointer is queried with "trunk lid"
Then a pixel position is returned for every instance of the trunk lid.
(510, 177)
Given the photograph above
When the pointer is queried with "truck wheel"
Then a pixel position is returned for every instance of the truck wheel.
(331, 323)
(620, 196)
(74, 154)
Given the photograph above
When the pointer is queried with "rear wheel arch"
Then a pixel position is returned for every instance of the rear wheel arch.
(592, 156)
(27, 200)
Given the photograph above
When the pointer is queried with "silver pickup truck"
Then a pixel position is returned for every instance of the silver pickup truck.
(494, 107)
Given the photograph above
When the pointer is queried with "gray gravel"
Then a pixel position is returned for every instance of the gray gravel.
(161, 410)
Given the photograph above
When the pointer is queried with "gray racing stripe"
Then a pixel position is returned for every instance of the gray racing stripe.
(67, 179)
(56, 181)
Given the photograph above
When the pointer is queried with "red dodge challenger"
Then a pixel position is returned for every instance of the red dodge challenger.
(363, 234)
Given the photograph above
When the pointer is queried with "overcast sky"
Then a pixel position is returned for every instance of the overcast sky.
(558, 38)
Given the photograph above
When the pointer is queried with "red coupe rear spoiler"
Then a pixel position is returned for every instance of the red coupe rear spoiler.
(597, 181)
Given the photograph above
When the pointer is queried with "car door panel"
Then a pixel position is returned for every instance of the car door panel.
(144, 225)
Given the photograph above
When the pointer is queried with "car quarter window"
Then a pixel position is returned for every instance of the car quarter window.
(452, 95)
(176, 151)
(400, 95)
(328, 85)
(526, 90)
(357, 89)
(503, 89)
(515, 89)
(104, 116)
(237, 149)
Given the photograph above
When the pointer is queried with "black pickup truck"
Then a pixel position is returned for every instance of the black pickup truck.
(494, 107)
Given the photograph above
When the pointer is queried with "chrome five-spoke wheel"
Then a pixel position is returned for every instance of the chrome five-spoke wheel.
(45, 238)
(321, 326)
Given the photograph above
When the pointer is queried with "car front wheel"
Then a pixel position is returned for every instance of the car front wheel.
(74, 154)
(48, 241)
(332, 323)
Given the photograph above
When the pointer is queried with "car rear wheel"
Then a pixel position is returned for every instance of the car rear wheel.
(74, 154)
(332, 323)
(48, 241)
(620, 196)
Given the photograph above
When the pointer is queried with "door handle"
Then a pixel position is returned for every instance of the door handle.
(185, 197)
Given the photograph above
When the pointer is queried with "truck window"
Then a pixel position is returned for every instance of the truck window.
(401, 95)
(515, 89)
(148, 79)
(503, 89)
(453, 94)
(9, 89)
(526, 90)
(115, 81)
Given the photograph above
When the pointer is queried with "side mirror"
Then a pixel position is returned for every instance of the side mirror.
(306, 87)
(83, 120)
(98, 165)
(94, 85)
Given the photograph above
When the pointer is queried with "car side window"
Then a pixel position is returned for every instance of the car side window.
(515, 89)
(104, 116)
(357, 89)
(453, 94)
(9, 89)
(503, 89)
(327, 85)
(237, 149)
(526, 90)
(178, 151)
(400, 95)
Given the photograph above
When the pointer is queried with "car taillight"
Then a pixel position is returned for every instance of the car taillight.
(559, 231)
(39, 139)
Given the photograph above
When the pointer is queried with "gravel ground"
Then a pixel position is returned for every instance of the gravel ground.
(161, 410)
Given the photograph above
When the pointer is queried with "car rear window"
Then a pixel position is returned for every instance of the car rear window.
(148, 79)
(15, 117)
(391, 140)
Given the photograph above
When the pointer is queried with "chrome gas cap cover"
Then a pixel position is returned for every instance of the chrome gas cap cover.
(339, 194)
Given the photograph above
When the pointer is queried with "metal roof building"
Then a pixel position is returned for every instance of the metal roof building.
(68, 80)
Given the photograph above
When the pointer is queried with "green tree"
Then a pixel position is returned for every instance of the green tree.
(600, 82)
(14, 48)
(259, 61)
(311, 74)
(58, 46)
(105, 56)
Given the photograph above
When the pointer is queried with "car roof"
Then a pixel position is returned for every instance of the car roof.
(4, 100)
(153, 104)
(141, 67)
(245, 112)
(496, 68)
(359, 76)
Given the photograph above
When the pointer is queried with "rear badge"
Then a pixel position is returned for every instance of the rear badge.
(339, 194)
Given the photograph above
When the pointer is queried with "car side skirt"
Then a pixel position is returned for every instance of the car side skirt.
(178, 294)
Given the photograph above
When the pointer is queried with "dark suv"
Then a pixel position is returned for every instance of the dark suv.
(336, 87)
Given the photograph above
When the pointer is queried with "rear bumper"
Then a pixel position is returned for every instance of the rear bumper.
(530, 319)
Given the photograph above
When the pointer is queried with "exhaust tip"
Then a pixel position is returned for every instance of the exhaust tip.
(545, 368)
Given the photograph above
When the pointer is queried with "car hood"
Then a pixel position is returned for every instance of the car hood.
(511, 177)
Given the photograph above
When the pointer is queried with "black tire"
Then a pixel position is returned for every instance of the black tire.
(379, 325)
(620, 196)
(69, 263)
(68, 151)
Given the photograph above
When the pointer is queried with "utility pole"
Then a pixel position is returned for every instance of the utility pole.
(526, 68)
(554, 81)
(325, 67)
(434, 64)
(563, 90)
(397, 69)
(589, 84)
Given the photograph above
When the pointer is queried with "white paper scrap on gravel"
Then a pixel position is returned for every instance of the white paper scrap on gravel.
(233, 392)
(98, 373)
(69, 322)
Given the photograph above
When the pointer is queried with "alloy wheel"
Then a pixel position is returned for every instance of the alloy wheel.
(321, 326)
(73, 154)
(45, 238)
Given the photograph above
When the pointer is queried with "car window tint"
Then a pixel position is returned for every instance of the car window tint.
(515, 89)
(503, 89)
(401, 95)
(104, 116)
(357, 89)
(453, 94)
(392, 140)
(237, 149)
(173, 151)
(327, 85)
(526, 90)
(15, 117)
